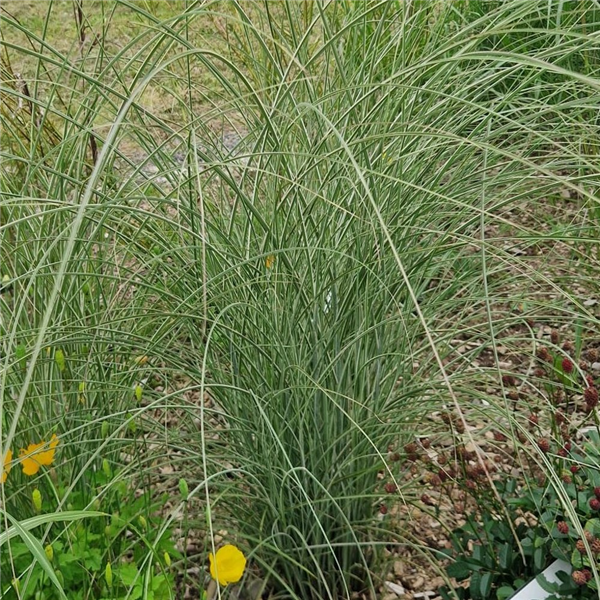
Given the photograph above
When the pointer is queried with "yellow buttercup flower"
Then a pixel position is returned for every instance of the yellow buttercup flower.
(38, 455)
(227, 565)
(6, 466)
(269, 261)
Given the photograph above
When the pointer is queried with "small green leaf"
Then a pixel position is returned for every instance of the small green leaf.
(475, 586)
(485, 587)
(539, 561)
(505, 556)
(459, 570)
(546, 585)
(504, 592)
(129, 574)
(577, 560)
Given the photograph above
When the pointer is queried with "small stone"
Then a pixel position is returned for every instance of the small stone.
(418, 583)
(590, 302)
(395, 588)
(398, 568)
(596, 366)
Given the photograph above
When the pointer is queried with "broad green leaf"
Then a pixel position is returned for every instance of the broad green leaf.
(505, 556)
(38, 553)
(459, 570)
(504, 592)
(485, 587)
(33, 522)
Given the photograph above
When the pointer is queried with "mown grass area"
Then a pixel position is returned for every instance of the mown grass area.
(206, 345)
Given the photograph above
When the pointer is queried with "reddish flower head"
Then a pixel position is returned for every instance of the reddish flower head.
(544, 354)
(544, 445)
(390, 487)
(580, 577)
(590, 395)
(595, 504)
(567, 365)
(563, 527)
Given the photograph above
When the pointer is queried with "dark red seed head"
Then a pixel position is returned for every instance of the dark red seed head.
(427, 500)
(580, 545)
(390, 487)
(383, 509)
(554, 338)
(590, 395)
(597, 492)
(411, 448)
(595, 504)
(508, 380)
(533, 419)
(567, 365)
(436, 480)
(562, 452)
(579, 577)
(563, 527)
(568, 346)
(574, 469)
(544, 354)
(544, 445)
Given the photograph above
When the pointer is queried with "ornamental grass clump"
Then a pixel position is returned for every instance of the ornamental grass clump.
(272, 318)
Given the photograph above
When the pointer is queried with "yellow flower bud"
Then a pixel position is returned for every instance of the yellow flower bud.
(183, 489)
(20, 353)
(140, 360)
(49, 552)
(131, 425)
(167, 559)
(143, 523)
(108, 575)
(59, 359)
(138, 392)
(36, 498)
